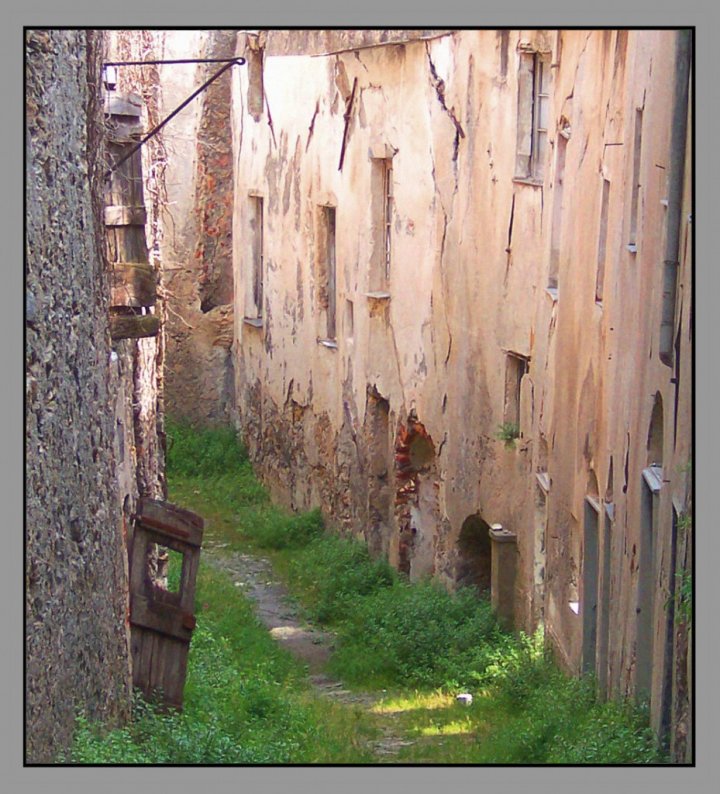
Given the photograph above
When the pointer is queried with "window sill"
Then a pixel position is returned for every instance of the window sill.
(528, 180)
(329, 343)
(253, 322)
(378, 296)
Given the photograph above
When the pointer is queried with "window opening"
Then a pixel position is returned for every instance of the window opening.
(540, 543)
(165, 567)
(328, 272)
(255, 298)
(604, 616)
(602, 241)
(516, 367)
(561, 146)
(589, 606)
(649, 514)
(256, 90)
(382, 210)
(533, 115)
(635, 200)
(349, 319)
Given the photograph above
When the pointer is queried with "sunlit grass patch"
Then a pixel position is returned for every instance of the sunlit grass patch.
(452, 728)
(399, 704)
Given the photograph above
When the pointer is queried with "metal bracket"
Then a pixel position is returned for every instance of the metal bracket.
(229, 63)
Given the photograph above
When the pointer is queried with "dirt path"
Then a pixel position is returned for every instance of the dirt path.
(280, 615)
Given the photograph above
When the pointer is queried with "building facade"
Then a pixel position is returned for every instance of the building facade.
(463, 299)
(461, 313)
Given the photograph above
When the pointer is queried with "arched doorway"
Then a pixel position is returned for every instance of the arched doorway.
(474, 563)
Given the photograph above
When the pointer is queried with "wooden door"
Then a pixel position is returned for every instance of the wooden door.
(162, 616)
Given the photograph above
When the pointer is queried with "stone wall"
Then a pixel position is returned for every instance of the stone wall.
(77, 644)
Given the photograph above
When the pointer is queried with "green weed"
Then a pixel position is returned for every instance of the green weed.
(508, 432)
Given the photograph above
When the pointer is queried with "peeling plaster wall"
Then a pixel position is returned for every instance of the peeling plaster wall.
(196, 245)
(468, 284)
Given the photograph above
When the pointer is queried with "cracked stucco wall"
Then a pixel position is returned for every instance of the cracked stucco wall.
(470, 282)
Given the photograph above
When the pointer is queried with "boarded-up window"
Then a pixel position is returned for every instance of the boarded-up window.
(533, 115)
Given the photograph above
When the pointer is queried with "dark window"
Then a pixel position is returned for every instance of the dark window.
(515, 367)
(533, 115)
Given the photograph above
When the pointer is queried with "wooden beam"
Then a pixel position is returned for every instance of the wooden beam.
(161, 617)
(133, 284)
(119, 215)
(123, 104)
(133, 326)
(166, 517)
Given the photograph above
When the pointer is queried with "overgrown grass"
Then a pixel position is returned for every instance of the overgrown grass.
(246, 702)
(245, 698)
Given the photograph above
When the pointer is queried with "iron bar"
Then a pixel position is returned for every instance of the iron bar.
(177, 60)
(228, 64)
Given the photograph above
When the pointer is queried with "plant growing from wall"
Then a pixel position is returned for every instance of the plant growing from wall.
(508, 432)
(684, 595)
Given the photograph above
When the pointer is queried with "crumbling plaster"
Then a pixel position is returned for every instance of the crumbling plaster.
(470, 282)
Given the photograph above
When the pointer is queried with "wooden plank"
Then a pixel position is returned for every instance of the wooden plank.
(187, 595)
(123, 129)
(170, 515)
(121, 215)
(160, 617)
(187, 515)
(133, 284)
(123, 104)
(133, 326)
(126, 244)
(138, 562)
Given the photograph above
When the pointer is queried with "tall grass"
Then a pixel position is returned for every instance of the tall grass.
(245, 698)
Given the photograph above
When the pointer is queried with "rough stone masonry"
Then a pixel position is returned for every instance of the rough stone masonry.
(76, 585)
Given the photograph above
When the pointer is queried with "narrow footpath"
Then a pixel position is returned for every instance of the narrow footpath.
(279, 614)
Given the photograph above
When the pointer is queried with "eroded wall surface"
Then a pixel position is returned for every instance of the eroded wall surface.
(77, 644)
(195, 245)
(502, 366)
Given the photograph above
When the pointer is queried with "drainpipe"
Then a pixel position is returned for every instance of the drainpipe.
(678, 142)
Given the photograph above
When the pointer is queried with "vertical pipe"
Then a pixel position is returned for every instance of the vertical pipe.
(678, 142)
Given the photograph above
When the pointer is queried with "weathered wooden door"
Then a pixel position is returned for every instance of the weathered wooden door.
(162, 605)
